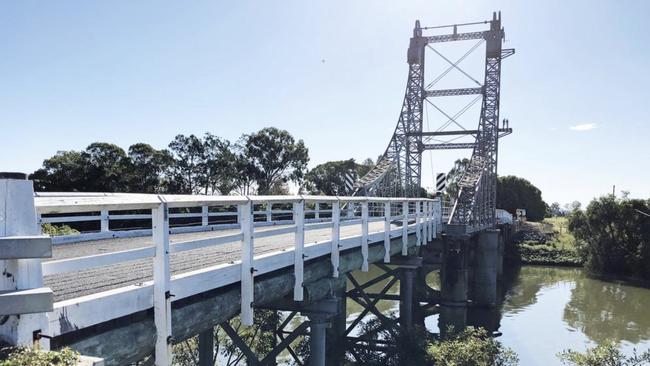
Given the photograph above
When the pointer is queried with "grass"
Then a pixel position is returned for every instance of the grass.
(562, 237)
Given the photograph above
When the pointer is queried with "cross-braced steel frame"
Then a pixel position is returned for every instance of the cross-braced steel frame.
(398, 172)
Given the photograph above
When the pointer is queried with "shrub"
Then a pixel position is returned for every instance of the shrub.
(54, 230)
(30, 357)
(472, 347)
(606, 354)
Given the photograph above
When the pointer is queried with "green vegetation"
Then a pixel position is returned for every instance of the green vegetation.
(55, 230)
(329, 178)
(262, 162)
(31, 357)
(548, 243)
(532, 253)
(472, 347)
(613, 236)
(606, 354)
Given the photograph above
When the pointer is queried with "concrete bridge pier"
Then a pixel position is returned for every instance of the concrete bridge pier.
(407, 276)
(335, 333)
(485, 268)
(454, 273)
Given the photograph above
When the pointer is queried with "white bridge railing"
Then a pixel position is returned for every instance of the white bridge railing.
(419, 216)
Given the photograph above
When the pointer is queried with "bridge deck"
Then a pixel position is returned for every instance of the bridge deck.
(85, 282)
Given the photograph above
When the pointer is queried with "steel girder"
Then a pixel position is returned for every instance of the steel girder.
(398, 172)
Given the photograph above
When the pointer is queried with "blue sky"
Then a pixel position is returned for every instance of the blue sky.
(332, 73)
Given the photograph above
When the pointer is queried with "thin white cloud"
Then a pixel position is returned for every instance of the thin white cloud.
(583, 127)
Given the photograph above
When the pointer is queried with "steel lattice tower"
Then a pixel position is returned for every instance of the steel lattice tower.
(398, 171)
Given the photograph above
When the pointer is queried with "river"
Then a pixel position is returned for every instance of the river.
(545, 310)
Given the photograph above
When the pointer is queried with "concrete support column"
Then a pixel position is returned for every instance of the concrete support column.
(318, 324)
(500, 251)
(335, 337)
(454, 273)
(407, 275)
(484, 286)
(206, 348)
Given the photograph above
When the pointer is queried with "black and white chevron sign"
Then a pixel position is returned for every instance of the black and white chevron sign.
(441, 182)
(350, 177)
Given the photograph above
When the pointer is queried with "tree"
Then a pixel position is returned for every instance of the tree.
(364, 167)
(219, 170)
(615, 237)
(555, 210)
(65, 171)
(188, 164)
(329, 178)
(514, 192)
(106, 167)
(453, 177)
(148, 168)
(272, 156)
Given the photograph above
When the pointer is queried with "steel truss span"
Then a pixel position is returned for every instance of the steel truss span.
(398, 171)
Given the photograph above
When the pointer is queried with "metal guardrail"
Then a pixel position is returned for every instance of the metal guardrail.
(416, 215)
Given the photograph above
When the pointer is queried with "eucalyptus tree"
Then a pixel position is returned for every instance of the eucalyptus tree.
(272, 156)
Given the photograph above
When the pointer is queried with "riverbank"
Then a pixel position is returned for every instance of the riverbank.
(544, 243)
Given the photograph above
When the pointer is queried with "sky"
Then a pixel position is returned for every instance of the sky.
(332, 73)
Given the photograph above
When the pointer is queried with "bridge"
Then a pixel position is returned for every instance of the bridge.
(160, 269)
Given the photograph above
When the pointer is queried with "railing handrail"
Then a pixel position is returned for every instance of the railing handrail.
(73, 202)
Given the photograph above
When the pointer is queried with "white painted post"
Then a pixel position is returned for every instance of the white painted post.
(387, 232)
(364, 235)
(418, 224)
(104, 221)
(299, 259)
(425, 222)
(204, 215)
(269, 212)
(247, 271)
(161, 279)
(405, 224)
(336, 233)
(431, 220)
(350, 210)
(18, 218)
(316, 210)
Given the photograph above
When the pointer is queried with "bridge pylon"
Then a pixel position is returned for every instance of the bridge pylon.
(399, 170)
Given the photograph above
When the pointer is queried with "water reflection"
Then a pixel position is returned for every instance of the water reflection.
(603, 310)
(544, 310)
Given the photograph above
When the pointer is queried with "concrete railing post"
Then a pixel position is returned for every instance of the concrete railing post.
(24, 303)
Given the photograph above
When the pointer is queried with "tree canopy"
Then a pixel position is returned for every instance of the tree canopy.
(515, 192)
(272, 156)
(329, 178)
(615, 235)
(263, 162)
